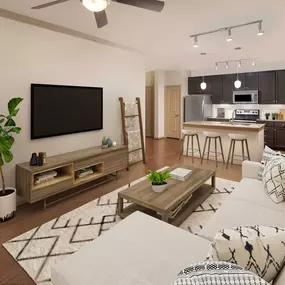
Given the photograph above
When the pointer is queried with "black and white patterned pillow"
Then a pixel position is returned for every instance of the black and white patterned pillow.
(258, 249)
(217, 273)
(273, 178)
(268, 154)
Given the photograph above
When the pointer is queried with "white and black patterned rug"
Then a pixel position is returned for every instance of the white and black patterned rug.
(39, 248)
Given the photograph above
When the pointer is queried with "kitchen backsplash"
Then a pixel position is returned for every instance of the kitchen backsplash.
(263, 109)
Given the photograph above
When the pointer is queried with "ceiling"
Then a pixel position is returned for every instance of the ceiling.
(163, 37)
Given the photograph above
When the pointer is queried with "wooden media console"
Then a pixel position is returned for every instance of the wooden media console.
(66, 169)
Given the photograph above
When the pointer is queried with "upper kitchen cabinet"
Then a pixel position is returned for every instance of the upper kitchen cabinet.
(227, 89)
(266, 87)
(249, 81)
(194, 85)
(280, 87)
(215, 87)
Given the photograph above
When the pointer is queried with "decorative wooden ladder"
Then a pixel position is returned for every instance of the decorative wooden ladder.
(132, 128)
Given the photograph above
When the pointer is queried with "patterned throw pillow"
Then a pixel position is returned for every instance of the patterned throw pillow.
(273, 178)
(268, 153)
(217, 273)
(256, 248)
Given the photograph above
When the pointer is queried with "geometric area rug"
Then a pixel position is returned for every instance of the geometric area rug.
(41, 247)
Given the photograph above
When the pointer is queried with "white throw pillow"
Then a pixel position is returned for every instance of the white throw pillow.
(273, 178)
(217, 273)
(268, 154)
(258, 249)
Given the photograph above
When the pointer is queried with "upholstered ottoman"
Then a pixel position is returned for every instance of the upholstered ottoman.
(140, 250)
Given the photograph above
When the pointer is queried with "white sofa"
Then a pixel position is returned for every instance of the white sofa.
(141, 250)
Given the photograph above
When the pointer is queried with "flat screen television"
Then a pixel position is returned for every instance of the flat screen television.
(60, 110)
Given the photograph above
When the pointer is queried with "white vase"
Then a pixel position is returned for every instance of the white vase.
(8, 205)
(159, 188)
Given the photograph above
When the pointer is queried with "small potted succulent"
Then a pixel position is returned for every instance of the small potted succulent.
(158, 180)
(274, 115)
(267, 115)
(105, 142)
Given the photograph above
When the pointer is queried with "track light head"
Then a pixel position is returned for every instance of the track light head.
(253, 62)
(227, 65)
(239, 64)
(195, 45)
(217, 67)
(229, 38)
(260, 31)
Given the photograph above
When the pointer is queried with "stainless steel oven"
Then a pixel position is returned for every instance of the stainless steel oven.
(245, 97)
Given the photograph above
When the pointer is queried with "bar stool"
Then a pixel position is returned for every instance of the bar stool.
(192, 134)
(209, 137)
(234, 138)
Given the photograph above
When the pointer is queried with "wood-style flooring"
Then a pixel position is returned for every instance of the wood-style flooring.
(159, 153)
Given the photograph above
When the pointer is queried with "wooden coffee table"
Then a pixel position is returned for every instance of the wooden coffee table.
(175, 204)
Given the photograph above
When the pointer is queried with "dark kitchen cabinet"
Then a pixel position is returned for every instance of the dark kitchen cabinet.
(280, 87)
(279, 135)
(215, 87)
(251, 81)
(194, 85)
(269, 133)
(227, 89)
(266, 87)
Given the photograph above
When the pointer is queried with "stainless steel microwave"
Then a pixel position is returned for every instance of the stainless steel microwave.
(245, 97)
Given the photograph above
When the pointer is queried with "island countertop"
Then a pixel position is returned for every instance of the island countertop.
(236, 126)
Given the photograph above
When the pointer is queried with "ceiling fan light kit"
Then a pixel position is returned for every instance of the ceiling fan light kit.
(95, 5)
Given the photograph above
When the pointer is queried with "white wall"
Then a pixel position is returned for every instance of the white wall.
(159, 103)
(33, 55)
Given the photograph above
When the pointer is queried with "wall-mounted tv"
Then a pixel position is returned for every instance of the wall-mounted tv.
(60, 110)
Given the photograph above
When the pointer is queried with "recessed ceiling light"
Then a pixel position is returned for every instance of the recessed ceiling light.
(238, 48)
(203, 53)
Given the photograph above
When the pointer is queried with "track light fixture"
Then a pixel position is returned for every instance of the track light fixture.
(229, 31)
(195, 42)
(260, 31)
(229, 38)
(238, 62)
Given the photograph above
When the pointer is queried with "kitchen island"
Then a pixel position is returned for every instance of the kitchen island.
(254, 132)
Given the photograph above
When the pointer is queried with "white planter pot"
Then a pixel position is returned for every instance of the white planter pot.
(159, 188)
(8, 204)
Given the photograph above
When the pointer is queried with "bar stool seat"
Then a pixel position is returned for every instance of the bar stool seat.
(190, 133)
(213, 136)
(235, 138)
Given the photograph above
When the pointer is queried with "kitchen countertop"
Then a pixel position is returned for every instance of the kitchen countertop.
(254, 127)
(263, 120)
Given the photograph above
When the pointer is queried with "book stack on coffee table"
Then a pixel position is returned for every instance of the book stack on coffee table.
(181, 174)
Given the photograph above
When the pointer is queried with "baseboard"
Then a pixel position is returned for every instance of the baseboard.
(159, 138)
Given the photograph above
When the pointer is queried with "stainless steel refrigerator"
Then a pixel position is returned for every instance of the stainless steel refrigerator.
(197, 107)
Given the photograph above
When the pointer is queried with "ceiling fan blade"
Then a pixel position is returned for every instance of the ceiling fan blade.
(49, 4)
(153, 5)
(101, 18)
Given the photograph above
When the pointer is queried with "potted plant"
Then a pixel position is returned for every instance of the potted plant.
(7, 129)
(274, 116)
(105, 142)
(267, 115)
(158, 180)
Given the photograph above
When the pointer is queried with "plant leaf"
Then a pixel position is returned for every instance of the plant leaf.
(8, 156)
(1, 160)
(1, 121)
(10, 123)
(15, 112)
(13, 103)
(14, 130)
(6, 143)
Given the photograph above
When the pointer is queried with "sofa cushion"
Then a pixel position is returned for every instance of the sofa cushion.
(139, 250)
(256, 248)
(273, 178)
(237, 212)
(268, 153)
(215, 273)
(253, 191)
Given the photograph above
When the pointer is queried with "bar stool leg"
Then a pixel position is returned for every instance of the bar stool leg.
(222, 150)
(216, 152)
(182, 146)
(242, 148)
(204, 150)
(233, 153)
(198, 145)
(247, 149)
(209, 147)
(192, 146)
(187, 145)
(231, 145)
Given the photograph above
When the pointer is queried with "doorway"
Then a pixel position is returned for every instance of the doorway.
(172, 111)
(149, 112)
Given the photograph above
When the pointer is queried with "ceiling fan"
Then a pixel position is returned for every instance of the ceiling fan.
(99, 6)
